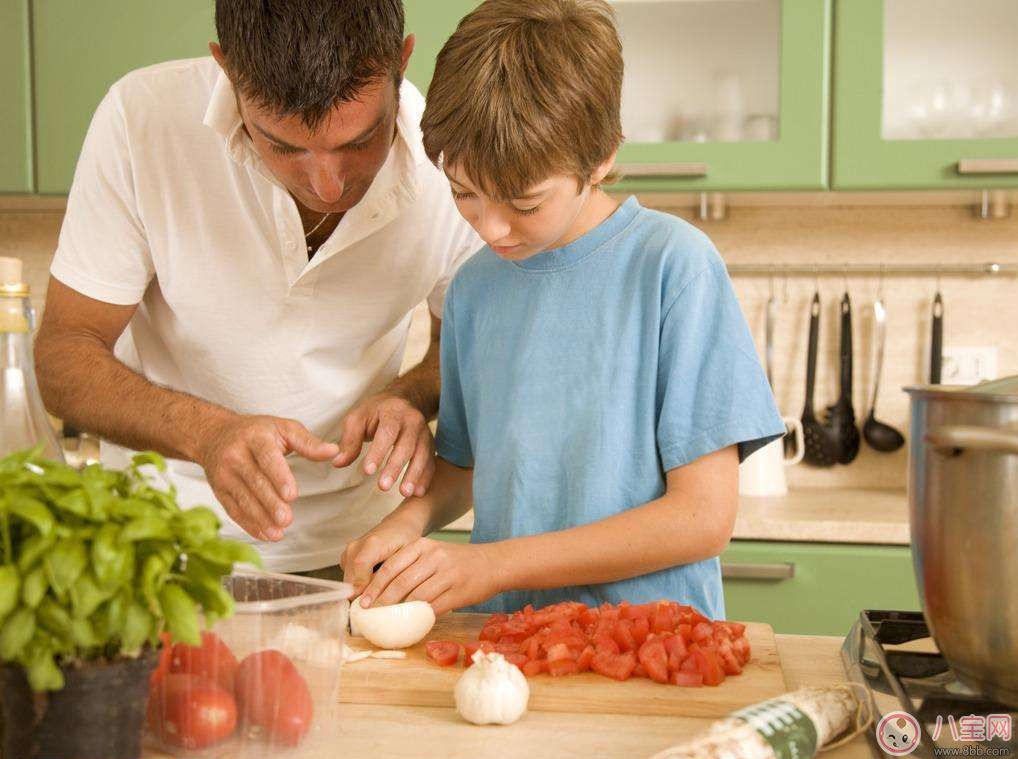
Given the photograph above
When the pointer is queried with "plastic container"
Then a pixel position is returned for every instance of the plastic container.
(306, 620)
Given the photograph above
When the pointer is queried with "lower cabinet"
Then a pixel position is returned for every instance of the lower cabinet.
(807, 588)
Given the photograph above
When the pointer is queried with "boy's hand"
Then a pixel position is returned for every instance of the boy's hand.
(446, 575)
(371, 549)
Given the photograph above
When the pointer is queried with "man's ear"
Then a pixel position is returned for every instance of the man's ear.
(408, 49)
(217, 53)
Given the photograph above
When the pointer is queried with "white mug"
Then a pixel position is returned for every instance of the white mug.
(763, 473)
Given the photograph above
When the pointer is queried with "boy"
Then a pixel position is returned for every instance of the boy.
(599, 383)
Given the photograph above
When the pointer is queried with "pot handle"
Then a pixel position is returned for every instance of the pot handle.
(961, 437)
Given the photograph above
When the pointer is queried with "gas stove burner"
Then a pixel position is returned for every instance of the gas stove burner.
(893, 656)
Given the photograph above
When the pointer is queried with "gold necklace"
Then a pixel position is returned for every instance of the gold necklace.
(315, 229)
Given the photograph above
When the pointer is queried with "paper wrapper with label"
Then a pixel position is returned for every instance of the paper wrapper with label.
(796, 725)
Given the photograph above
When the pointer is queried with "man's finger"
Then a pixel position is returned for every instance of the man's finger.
(422, 465)
(386, 434)
(352, 440)
(400, 454)
(272, 464)
(277, 509)
(392, 567)
(249, 513)
(300, 440)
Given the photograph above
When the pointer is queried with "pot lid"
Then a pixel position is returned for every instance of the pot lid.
(1002, 389)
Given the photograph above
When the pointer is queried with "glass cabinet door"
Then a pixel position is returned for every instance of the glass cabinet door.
(926, 94)
(724, 94)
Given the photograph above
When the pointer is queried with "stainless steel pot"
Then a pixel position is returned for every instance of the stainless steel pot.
(963, 509)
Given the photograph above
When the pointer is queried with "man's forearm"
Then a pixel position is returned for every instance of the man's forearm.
(84, 384)
(421, 385)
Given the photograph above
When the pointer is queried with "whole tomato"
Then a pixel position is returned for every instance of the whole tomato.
(190, 711)
(165, 658)
(271, 693)
(212, 660)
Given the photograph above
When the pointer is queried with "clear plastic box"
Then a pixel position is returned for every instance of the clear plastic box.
(305, 619)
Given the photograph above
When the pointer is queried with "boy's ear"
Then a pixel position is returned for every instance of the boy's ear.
(604, 169)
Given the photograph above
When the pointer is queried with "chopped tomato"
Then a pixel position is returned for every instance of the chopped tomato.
(654, 659)
(559, 667)
(686, 631)
(663, 619)
(677, 651)
(741, 648)
(535, 667)
(615, 666)
(640, 611)
(708, 665)
(444, 653)
(623, 634)
(586, 656)
(687, 679)
(641, 629)
(485, 646)
(639, 670)
(560, 651)
(702, 631)
(518, 659)
(605, 642)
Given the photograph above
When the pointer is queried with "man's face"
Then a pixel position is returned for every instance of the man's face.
(327, 170)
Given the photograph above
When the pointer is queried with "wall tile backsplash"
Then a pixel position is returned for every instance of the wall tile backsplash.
(979, 311)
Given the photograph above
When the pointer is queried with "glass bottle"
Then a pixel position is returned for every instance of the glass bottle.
(23, 419)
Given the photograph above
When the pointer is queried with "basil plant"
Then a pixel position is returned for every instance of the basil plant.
(96, 563)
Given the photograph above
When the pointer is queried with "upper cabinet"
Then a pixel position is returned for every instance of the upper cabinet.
(80, 49)
(724, 94)
(15, 106)
(925, 94)
(431, 23)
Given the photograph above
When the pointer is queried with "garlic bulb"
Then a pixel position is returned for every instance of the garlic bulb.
(395, 626)
(493, 691)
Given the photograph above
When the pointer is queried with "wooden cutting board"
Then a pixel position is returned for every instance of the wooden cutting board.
(416, 681)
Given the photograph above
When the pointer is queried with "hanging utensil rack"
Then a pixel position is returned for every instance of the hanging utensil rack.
(922, 269)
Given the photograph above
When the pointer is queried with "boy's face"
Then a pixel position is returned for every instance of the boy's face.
(549, 215)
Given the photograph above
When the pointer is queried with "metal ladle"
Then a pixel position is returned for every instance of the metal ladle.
(881, 437)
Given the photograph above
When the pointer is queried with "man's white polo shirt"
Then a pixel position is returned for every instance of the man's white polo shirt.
(171, 208)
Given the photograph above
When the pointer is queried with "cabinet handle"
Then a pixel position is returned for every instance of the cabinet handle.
(663, 169)
(741, 571)
(988, 166)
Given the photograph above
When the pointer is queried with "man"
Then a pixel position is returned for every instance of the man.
(245, 240)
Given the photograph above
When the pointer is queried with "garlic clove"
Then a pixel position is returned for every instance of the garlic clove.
(396, 626)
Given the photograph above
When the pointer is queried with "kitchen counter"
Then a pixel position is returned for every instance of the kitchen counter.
(402, 731)
(814, 515)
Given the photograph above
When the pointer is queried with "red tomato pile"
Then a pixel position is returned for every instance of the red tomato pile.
(664, 641)
(199, 694)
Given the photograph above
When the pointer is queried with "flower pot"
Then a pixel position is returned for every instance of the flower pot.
(99, 714)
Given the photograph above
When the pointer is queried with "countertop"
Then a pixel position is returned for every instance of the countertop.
(389, 731)
(814, 515)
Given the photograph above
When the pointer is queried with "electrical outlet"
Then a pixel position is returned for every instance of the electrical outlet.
(967, 365)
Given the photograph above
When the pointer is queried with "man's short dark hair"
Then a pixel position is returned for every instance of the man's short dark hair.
(304, 57)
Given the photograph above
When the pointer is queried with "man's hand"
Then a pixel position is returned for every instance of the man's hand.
(446, 575)
(396, 428)
(243, 458)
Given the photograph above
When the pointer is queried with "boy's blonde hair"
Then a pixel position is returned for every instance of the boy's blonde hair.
(527, 89)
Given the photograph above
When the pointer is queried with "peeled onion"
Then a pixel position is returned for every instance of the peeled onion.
(396, 626)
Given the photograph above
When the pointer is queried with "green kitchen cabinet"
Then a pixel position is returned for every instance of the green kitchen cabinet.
(80, 49)
(431, 22)
(925, 94)
(15, 108)
(725, 96)
(815, 588)
(807, 588)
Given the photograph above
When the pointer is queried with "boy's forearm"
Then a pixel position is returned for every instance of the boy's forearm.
(448, 499)
(672, 530)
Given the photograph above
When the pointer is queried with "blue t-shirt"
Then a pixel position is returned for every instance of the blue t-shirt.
(574, 379)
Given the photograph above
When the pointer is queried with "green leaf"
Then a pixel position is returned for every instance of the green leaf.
(180, 613)
(137, 628)
(149, 457)
(130, 508)
(196, 526)
(74, 502)
(16, 632)
(54, 618)
(82, 634)
(32, 511)
(10, 590)
(226, 553)
(112, 560)
(65, 563)
(86, 595)
(113, 615)
(33, 549)
(34, 587)
(149, 527)
(153, 574)
(43, 673)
